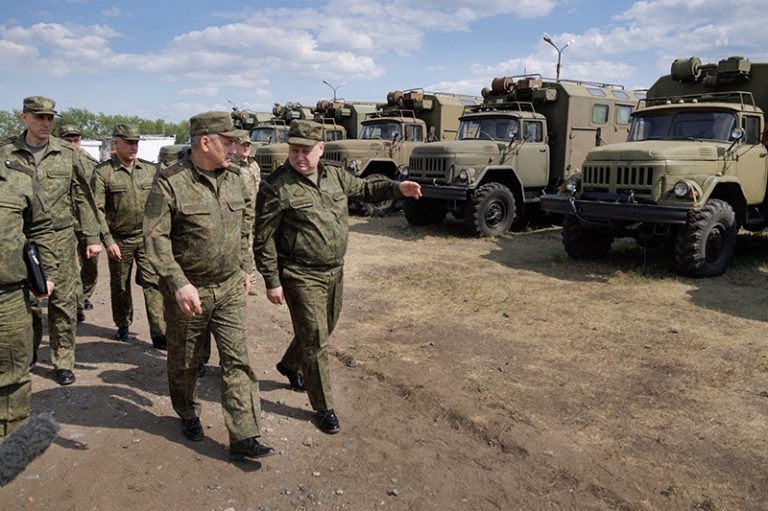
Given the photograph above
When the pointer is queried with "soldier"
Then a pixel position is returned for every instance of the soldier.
(89, 268)
(58, 172)
(251, 174)
(24, 214)
(196, 237)
(300, 239)
(121, 187)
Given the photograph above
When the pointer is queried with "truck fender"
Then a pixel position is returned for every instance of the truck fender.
(505, 175)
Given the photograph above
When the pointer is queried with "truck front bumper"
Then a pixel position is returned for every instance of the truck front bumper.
(602, 209)
(447, 192)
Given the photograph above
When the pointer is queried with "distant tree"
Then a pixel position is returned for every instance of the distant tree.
(10, 123)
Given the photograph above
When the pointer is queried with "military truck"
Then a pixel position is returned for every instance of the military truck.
(389, 134)
(243, 119)
(525, 138)
(339, 119)
(692, 171)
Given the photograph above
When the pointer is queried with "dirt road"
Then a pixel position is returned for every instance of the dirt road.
(469, 374)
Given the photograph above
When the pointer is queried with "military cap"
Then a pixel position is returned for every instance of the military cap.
(39, 105)
(126, 131)
(305, 133)
(212, 123)
(66, 130)
(244, 137)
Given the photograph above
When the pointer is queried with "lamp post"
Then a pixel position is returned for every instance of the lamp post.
(163, 119)
(334, 88)
(559, 52)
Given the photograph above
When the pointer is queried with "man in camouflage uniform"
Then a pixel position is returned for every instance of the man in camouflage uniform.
(196, 237)
(24, 214)
(251, 174)
(121, 186)
(57, 169)
(89, 268)
(300, 239)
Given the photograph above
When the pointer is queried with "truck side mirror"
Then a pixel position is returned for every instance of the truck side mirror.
(598, 138)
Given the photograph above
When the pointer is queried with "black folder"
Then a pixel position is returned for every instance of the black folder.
(35, 271)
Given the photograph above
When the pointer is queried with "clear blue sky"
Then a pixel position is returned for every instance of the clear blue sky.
(143, 57)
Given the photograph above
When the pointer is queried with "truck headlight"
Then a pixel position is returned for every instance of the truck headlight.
(405, 173)
(466, 174)
(353, 165)
(572, 183)
(682, 189)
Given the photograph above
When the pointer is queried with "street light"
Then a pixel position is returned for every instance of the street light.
(163, 118)
(334, 88)
(559, 52)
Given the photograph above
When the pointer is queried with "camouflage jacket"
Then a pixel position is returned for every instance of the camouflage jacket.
(300, 224)
(63, 181)
(196, 233)
(24, 214)
(251, 174)
(87, 163)
(120, 196)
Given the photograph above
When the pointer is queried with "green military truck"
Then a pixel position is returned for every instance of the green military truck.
(525, 138)
(691, 173)
(245, 120)
(389, 134)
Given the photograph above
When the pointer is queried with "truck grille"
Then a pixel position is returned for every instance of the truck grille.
(605, 178)
(265, 162)
(332, 155)
(428, 168)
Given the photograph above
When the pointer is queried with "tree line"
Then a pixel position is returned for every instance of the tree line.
(96, 126)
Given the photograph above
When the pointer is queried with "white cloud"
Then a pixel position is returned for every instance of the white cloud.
(202, 91)
(114, 11)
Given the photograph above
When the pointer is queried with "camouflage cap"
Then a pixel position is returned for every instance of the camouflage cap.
(66, 130)
(212, 123)
(305, 133)
(126, 131)
(244, 137)
(39, 105)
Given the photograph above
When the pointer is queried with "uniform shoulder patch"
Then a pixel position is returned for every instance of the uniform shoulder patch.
(18, 166)
(233, 168)
(273, 176)
(89, 157)
(172, 170)
(146, 162)
(10, 139)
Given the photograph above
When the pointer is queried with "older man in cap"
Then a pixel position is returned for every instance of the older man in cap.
(300, 239)
(57, 169)
(89, 268)
(121, 186)
(196, 235)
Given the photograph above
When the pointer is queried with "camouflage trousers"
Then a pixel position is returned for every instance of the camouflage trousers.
(314, 299)
(132, 250)
(224, 314)
(62, 305)
(15, 357)
(89, 272)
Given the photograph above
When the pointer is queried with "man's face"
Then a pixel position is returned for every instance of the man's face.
(38, 125)
(305, 158)
(74, 139)
(243, 151)
(126, 150)
(221, 150)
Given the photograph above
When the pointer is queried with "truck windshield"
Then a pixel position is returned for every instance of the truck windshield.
(495, 129)
(383, 130)
(676, 125)
(268, 135)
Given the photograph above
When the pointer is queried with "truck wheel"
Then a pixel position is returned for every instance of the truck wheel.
(377, 208)
(491, 210)
(423, 212)
(583, 242)
(704, 246)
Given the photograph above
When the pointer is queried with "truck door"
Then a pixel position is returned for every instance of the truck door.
(533, 156)
(752, 161)
(412, 135)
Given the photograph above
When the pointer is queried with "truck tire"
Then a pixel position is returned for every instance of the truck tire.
(704, 246)
(423, 212)
(377, 208)
(491, 210)
(583, 242)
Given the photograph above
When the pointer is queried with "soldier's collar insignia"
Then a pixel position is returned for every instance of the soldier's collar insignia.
(196, 196)
(299, 192)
